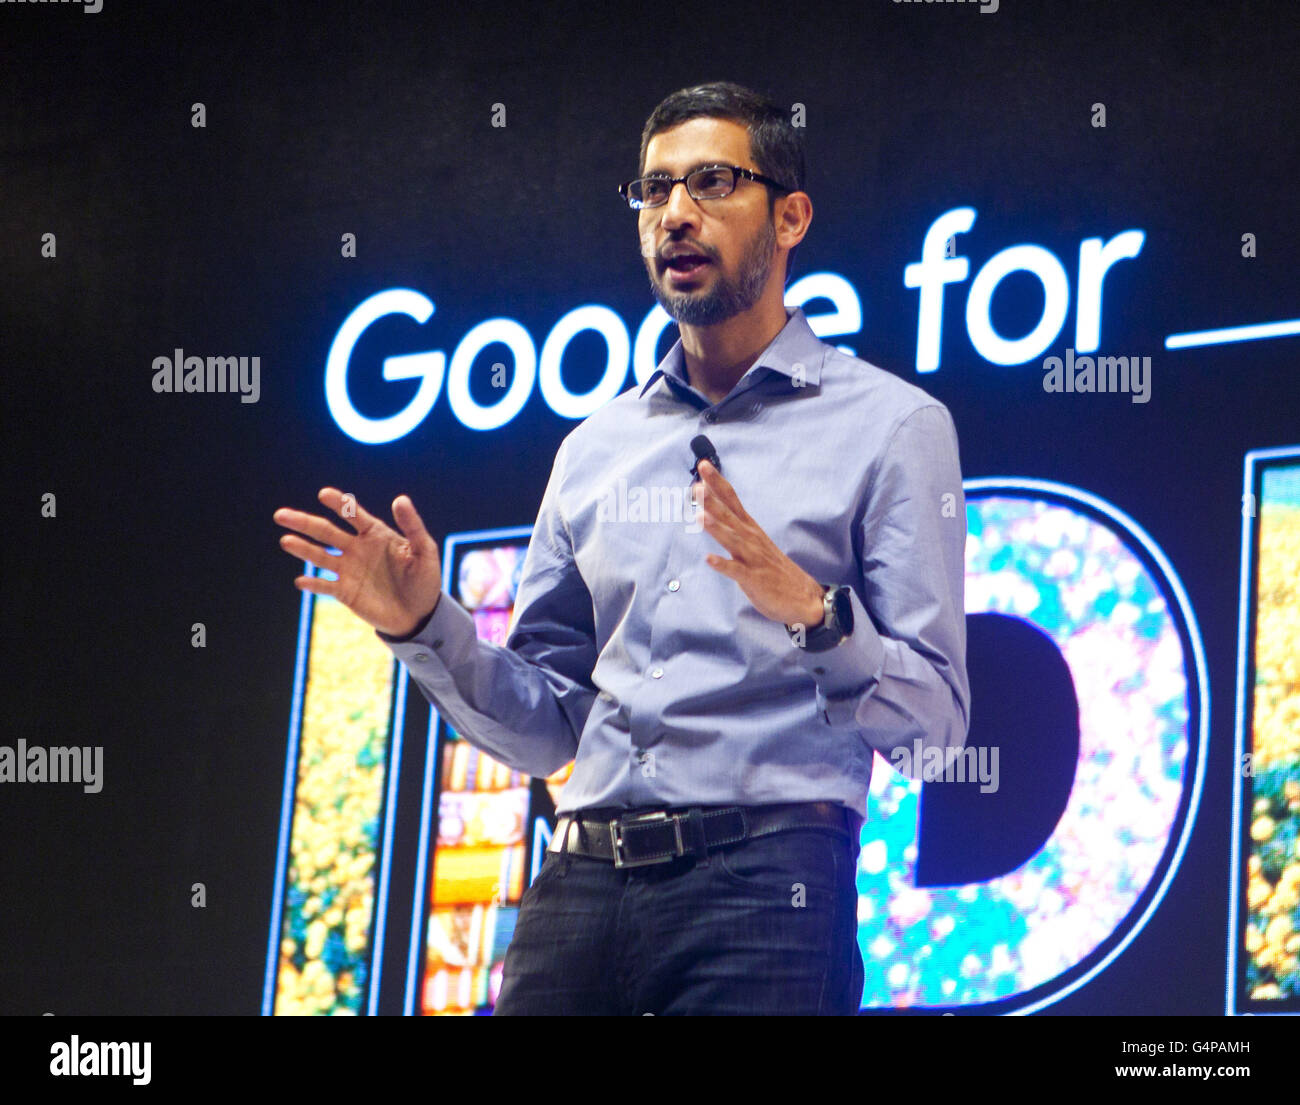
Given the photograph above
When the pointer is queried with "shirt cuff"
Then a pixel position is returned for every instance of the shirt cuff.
(414, 632)
(449, 633)
(849, 670)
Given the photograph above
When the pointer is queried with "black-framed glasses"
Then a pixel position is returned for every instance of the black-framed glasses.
(711, 182)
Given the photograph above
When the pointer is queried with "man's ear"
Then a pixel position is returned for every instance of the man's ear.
(793, 217)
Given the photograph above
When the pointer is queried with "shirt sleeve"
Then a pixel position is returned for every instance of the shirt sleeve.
(901, 676)
(525, 703)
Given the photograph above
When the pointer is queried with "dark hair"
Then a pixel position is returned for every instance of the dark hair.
(776, 145)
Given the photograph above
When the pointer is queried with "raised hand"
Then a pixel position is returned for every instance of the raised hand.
(774, 583)
(390, 580)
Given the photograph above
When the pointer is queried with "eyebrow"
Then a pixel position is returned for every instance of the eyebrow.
(712, 163)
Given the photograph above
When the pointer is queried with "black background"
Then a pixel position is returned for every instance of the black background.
(374, 119)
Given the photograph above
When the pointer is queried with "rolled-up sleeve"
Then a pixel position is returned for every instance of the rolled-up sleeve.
(525, 703)
(901, 676)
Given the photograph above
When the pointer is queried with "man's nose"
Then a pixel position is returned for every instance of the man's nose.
(680, 208)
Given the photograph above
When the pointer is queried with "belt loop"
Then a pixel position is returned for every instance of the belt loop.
(693, 823)
(564, 845)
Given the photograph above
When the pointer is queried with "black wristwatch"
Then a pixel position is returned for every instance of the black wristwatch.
(837, 621)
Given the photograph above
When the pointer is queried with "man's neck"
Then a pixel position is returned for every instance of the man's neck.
(717, 356)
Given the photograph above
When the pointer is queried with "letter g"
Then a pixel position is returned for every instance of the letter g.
(428, 368)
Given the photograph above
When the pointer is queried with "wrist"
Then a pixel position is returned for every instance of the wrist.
(812, 613)
(416, 628)
(832, 624)
(815, 610)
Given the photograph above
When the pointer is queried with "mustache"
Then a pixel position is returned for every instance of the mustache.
(691, 247)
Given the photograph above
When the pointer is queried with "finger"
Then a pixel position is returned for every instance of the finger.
(305, 550)
(728, 568)
(708, 500)
(409, 521)
(316, 585)
(313, 525)
(712, 497)
(345, 505)
(717, 483)
(723, 533)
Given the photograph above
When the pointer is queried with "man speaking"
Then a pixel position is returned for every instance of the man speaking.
(721, 679)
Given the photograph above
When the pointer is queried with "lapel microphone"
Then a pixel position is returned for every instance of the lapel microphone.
(703, 449)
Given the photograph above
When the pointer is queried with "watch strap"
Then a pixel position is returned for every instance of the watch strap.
(826, 635)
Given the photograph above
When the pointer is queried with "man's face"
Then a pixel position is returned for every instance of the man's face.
(734, 236)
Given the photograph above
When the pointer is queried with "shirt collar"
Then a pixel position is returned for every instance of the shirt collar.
(795, 345)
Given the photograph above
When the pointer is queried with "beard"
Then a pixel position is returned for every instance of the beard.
(728, 297)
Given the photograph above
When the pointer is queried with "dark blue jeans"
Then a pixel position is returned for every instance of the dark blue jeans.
(767, 926)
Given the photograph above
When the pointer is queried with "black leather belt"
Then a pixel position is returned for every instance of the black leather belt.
(660, 836)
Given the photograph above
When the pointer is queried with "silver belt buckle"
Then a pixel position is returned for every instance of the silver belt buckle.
(616, 838)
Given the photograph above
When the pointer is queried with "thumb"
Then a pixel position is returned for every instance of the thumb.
(408, 521)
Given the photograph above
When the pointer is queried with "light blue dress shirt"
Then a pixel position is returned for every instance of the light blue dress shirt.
(652, 670)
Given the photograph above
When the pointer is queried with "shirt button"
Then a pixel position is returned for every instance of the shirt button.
(420, 657)
(674, 584)
(438, 643)
(710, 416)
(658, 673)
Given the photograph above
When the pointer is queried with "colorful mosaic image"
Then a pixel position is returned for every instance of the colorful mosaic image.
(490, 577)
(329, 903)
(478, 878)
(1272, 934)
(1074, 578)
(468, 945)
(484, 823)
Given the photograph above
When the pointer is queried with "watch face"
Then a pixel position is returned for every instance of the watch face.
(843, 610)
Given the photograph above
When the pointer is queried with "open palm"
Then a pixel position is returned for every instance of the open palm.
(390, 580)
